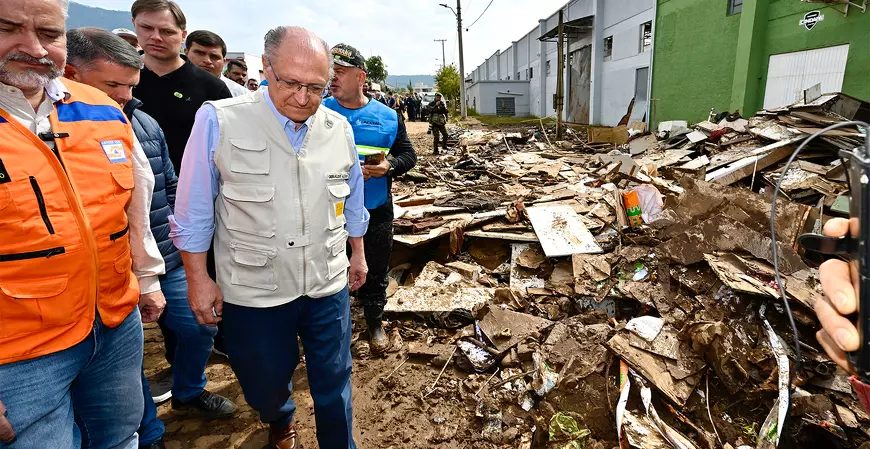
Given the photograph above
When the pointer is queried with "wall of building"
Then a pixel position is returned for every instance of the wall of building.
(492, 67)
(689, 79)
(613, 86)
(504, 64)
(620, 72)
(786, 35)
(689, 82)
(485, 93)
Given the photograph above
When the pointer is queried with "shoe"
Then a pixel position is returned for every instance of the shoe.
(210, 404)
(378, 341)
(161, 387)
(155, 445)
(283, 437)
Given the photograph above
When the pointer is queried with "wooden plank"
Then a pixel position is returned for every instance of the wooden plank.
(453, 221)
(428, 299)
(761, 159)
(509, 236)
(696, 163)
(813, 168)
(561, 232)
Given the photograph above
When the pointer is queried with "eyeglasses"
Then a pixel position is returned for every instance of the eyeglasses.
(296, 87)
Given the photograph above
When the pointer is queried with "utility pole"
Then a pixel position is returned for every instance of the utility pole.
(560, 76)
(443, 55)
(463, 108)
(458, 14)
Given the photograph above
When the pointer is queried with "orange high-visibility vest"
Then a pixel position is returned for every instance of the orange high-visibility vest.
(64, 243)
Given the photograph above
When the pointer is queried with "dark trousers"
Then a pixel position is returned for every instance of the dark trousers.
(439, 129)
(378, 244)
(263, 350)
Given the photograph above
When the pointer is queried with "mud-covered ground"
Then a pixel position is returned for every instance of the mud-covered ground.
(387, 414)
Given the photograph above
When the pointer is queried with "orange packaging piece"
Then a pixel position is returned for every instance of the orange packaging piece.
(632, 208)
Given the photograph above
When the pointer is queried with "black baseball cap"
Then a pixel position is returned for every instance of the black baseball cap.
(347, 56)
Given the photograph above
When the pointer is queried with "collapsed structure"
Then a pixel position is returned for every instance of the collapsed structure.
(616, 285)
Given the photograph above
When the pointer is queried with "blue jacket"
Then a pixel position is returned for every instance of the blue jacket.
(153, 142)
(374, 126)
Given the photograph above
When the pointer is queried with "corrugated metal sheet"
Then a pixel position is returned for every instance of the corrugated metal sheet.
(789, 74)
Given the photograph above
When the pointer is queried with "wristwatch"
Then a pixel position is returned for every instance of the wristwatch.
(391, 171)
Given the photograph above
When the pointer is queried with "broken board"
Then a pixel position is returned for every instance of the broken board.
(561, 232)
(657, 371)
(506, 328)
(428, 299)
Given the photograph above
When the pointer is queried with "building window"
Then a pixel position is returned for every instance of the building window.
(508, 77)
(518, 76)
(646, 37)
(548, 68)
(531, 72)
(735, 6)
(608, 48)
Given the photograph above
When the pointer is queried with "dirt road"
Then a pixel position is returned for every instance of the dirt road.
(388, 414)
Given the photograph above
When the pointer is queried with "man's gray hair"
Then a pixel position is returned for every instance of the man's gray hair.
(86, 46)
(276, 36)
(65, 5)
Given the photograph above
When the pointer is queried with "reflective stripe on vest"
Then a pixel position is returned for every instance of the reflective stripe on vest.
(364, 150)
(58, 213)
(374, 130)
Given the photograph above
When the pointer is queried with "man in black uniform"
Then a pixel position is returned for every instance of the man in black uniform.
(377, 131)
(171, 88)
(438, 120)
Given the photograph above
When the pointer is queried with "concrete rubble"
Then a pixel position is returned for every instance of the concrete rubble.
(527, 276)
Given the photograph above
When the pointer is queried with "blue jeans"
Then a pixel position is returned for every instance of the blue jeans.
(263, 350)
(192, 349)
(87, 396)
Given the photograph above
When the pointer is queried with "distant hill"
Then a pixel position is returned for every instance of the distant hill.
(399, 81)
(89, 16)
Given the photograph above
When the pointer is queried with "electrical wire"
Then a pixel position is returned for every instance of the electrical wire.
(481, 15)
(775, 248)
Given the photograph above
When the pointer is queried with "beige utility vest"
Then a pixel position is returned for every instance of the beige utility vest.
(279, 215)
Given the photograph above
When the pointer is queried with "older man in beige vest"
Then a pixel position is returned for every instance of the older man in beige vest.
(273, 177)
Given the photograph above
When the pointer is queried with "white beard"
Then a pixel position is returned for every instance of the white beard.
(28, 79)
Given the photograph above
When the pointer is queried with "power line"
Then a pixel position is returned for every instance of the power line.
(481, 15)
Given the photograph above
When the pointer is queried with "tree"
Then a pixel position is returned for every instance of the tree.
(410, 87)
(447, 82)
(376, 69)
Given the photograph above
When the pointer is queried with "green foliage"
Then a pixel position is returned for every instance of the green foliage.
(410, 87)
(376, 69)
(447, 81)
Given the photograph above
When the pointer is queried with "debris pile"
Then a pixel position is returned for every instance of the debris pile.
(594, 291)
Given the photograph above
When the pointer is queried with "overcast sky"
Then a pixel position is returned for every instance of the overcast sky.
(401, 31)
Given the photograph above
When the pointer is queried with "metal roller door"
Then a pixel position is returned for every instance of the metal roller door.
(788, 74)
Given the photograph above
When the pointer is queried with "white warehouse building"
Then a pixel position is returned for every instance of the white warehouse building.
(608, 52)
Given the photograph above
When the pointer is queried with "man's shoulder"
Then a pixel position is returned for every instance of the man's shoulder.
(245, 100)
(211, 84)
(331, 114)
(148, 123)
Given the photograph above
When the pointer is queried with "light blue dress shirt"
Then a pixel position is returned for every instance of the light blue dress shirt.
(199, 183)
